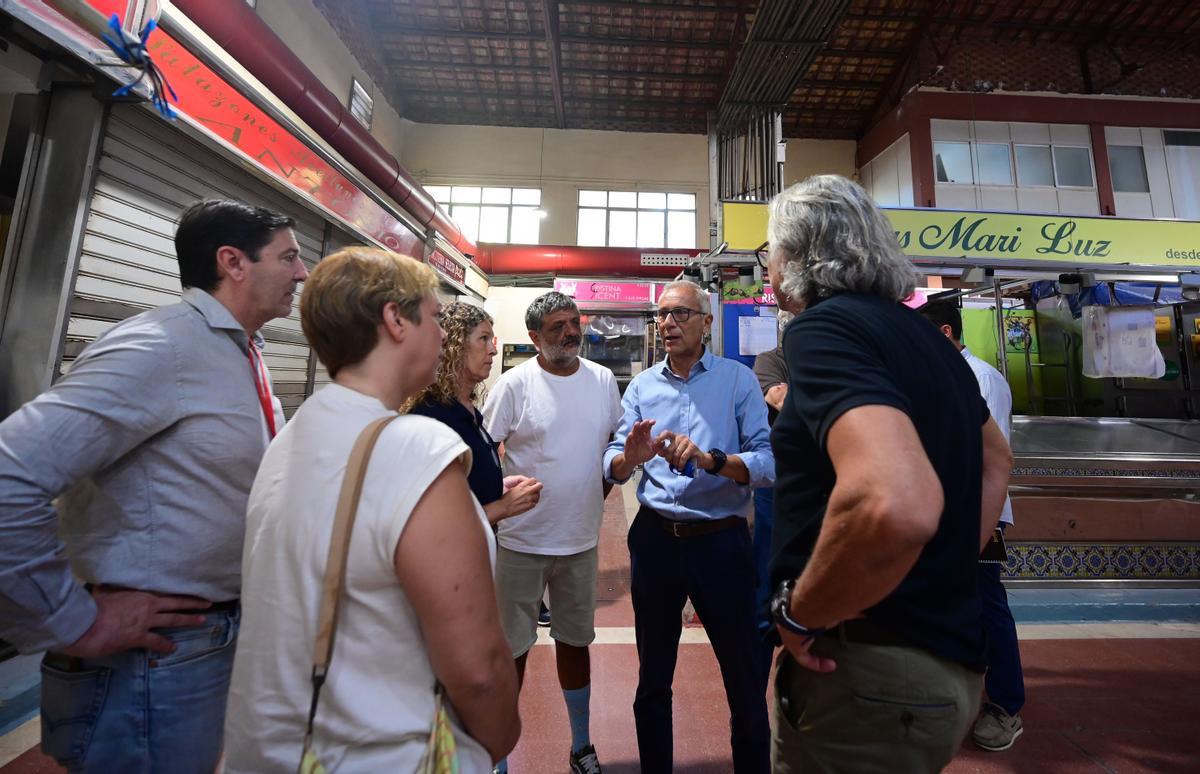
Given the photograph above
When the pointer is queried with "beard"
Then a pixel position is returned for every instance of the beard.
(562, 354)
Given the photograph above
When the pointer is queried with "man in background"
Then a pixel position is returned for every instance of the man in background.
(998, 725)
(771, 370)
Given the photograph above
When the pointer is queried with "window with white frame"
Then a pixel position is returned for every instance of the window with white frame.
(991, 164)
(1127, 163)
(952, 162)
(637, 219)
(362, 106)
(493, 214)
(1035, 165)
(1073, 166)
(994, 163)
(968, 163)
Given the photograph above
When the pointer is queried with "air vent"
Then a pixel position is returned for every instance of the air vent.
(664, 259)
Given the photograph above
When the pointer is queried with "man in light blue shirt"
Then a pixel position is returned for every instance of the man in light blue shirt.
(697, 424)
(999, 722)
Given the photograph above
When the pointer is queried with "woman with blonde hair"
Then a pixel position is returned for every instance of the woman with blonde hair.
(417, 603)
(467, 355)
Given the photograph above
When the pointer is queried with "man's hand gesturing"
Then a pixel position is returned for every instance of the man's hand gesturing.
(639, 447)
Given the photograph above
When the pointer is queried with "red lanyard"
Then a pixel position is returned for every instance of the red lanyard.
(262, 383)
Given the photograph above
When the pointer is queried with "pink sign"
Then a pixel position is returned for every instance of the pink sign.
(620, 292)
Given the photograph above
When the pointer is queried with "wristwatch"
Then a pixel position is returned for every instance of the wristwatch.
(719, 459)
(780, 603)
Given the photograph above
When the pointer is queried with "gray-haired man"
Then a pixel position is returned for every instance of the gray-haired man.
(554, 414)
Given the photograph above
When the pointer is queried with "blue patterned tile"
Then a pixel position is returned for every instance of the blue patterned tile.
(1103, 560)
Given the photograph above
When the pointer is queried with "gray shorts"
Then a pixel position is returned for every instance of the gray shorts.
(521, 579)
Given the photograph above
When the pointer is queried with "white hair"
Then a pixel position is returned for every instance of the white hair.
(691, 287)
(833, 239)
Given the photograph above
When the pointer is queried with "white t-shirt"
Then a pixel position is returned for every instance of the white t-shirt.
(377, 703)
(998, 397)
(555, 428)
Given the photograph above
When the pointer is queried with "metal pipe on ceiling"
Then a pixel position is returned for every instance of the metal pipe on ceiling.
(236, 27)
(563, 259)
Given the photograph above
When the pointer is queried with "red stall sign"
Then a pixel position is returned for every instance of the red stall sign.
(223, 112)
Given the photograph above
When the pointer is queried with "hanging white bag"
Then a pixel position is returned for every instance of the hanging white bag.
(1119, 341)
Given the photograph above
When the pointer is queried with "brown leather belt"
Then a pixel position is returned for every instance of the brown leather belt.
(683, 529)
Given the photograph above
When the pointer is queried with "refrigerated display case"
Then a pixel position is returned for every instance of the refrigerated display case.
(622, 341)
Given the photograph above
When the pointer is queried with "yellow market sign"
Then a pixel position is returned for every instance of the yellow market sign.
(1016, 239)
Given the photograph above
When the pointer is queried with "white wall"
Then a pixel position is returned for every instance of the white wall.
(889, 176)
(1016, 197)
(1183, 165)
(507, 307)
(306, 31)
(564, 161)
(561, 162)
(818, 157)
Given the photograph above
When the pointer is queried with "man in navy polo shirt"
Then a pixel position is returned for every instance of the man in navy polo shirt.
(891, 477)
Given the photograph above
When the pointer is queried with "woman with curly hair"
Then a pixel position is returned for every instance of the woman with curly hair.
(467, 355)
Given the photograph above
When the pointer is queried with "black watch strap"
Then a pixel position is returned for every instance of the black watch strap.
(780, 603)
(719, 460)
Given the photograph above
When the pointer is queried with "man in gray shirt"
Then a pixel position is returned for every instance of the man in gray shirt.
(150, 444)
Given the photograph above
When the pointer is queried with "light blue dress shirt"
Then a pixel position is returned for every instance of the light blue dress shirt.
(718, 406)
(149, 444)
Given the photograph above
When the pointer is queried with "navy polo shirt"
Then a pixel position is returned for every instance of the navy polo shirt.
(486, 477)
(855, 350)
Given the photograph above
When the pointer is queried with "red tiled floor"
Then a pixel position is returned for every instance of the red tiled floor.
(1116, 705)
(32, 762)
(612, 587)
(1081, 714)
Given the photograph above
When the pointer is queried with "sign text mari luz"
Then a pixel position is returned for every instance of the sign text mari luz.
(1025, 238)
(1012, 237)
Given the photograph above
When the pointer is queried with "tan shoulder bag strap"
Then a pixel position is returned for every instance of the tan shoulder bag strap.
(335, 565)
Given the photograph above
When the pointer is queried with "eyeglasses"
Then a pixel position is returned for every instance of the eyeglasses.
(680, 314)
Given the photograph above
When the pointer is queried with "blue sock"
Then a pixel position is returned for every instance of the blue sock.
(502, 766)
(579, 702)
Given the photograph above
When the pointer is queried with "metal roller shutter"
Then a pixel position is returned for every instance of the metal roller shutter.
(148, 173)
(336, 240)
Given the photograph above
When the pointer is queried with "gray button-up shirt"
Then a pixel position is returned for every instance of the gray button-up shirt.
(150, 443)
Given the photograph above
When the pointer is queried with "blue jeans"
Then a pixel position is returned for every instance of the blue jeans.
(142, 711)
(717, 571)
(1004, 681)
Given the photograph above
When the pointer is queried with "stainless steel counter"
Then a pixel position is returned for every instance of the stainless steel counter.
(1132, 457)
